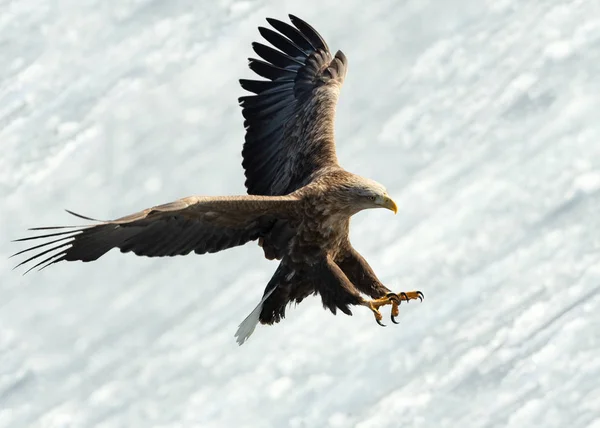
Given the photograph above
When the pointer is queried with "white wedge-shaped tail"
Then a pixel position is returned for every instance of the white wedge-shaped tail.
(246, 328)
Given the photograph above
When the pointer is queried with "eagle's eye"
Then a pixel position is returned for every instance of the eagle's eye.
(372, 198)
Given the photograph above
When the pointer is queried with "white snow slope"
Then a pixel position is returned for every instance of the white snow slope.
(481, 118)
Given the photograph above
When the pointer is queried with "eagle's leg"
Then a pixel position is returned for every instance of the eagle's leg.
(394, 300)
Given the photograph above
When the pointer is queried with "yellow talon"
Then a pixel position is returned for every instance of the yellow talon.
(378, 317)
(394, 300)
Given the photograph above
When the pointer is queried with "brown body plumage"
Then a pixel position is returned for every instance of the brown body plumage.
(300, 200)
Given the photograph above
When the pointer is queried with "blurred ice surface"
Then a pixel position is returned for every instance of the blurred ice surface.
(481, 117)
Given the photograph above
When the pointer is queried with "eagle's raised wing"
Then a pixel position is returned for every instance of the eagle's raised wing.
(289, 122)
(197, 223)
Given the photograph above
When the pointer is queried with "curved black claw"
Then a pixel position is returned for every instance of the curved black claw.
(393, 297)
(380, 323)
(405, 296)
(420, 295)
(394, 320)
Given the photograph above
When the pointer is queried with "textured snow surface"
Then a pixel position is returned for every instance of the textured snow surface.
(481, 118)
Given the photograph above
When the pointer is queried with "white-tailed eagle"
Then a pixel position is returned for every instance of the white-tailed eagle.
(299, 200)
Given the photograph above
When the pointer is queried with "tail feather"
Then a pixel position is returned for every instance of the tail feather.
(246, 328)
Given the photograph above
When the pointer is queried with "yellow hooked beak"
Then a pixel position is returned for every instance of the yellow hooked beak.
(389, 204)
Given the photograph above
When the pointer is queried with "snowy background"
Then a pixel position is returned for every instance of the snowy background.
(481, 118)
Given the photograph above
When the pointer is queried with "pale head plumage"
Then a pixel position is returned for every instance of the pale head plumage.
(360, 193)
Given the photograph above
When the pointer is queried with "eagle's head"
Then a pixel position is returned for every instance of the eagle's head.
(361, 193)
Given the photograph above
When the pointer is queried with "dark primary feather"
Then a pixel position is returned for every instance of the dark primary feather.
(276, 57)
(292, 33)
(289, 120)
(309, 32)
(270, 71)
(198, 224)
(282, 43)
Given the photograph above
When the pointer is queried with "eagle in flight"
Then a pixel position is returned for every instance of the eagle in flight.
(299, 200)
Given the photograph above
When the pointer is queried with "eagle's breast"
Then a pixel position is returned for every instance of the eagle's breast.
(321, 231)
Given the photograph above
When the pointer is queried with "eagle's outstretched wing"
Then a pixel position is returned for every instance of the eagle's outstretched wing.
(289, 122)
(197, 223)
